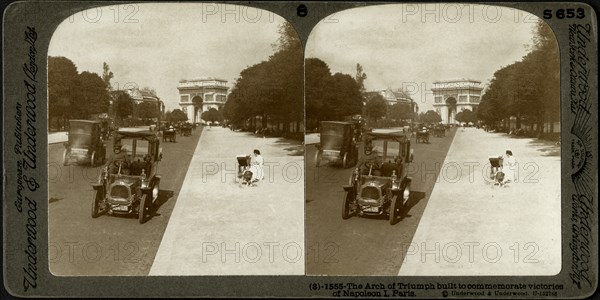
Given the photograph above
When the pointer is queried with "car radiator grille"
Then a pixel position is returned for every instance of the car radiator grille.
(119, 192)
(370, 192)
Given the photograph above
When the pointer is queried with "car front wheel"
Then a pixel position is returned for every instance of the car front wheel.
(96, 204)
(394, 210)
(347, 209)
(142, 209)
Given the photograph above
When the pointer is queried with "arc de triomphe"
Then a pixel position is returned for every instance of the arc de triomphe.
(453, 96)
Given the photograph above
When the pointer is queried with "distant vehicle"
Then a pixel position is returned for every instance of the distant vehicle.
(186, 129)
(422, 135)
(134, 187)
(85, 143)
(337, 144)
(380, 187)
(439, 130)
(169, 134)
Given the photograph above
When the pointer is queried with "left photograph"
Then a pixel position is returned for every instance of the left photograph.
(175, 142)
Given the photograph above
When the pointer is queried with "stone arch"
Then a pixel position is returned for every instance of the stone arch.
(451, 104)
(197, 102)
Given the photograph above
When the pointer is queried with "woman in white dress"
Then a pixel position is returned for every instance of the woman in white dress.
(510, 167)
(256, 166)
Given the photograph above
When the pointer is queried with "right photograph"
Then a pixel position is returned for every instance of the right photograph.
(432, 142)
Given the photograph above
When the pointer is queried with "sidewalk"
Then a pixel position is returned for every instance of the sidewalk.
(471, 227)
(221, 228)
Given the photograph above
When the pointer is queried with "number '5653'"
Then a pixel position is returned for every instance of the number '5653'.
(568, 13)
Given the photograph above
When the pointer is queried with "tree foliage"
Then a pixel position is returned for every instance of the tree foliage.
(62, 85)
(377, 107)
(212, 115)
(330, 97)
(177, 115)
(360, 78)
(430, 116)
(466, 116)
(527, 89)
(272, 89)
(123, 106)
(399, 111)
(148, 110)
(107, 75)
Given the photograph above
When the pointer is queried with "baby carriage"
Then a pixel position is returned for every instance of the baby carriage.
(244, 175)
(496, 174)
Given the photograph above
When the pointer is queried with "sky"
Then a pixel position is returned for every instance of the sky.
(399, 45)
(156, 45)
(413, 45)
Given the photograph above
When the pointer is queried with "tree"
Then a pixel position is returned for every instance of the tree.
(123, 106)
(62, 82)
(107, 75)
(360, 78)
(91, 96)
(177, 115)
(466, 116)
(342, 98)
(212, 115)
(376, 107)
(399, 111)
(148, 110)
(272, 89)
(430, 116)
(317, 84)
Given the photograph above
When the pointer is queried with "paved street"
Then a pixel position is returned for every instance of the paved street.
(471, 227)
(361, 245)
(219, 227)
(108, 245)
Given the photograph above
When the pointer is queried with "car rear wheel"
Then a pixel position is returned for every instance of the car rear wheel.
(318, 158)
(394, 209)
(65, 157)
(96, 204)
(347, 209)
(142, 209)
(93, 159)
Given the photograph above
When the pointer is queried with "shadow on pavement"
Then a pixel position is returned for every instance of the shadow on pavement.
(414, 198)
(548, 148)
(163, 197)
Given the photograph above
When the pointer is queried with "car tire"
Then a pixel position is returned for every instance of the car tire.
(318, 158)
(93, 159)
(345, 161)
(142, 209)
(96, 204)
(395, 207)
(65, 157)
(348, 199)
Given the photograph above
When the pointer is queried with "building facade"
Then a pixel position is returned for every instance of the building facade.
(453, 96)
(201, 94)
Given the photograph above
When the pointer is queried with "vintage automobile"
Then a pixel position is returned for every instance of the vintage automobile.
(85, 143)
(130, 186)
(422, 136)
(186, 129)
(380, 187)
(439, 130)
(169, 134)
(337, 144)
